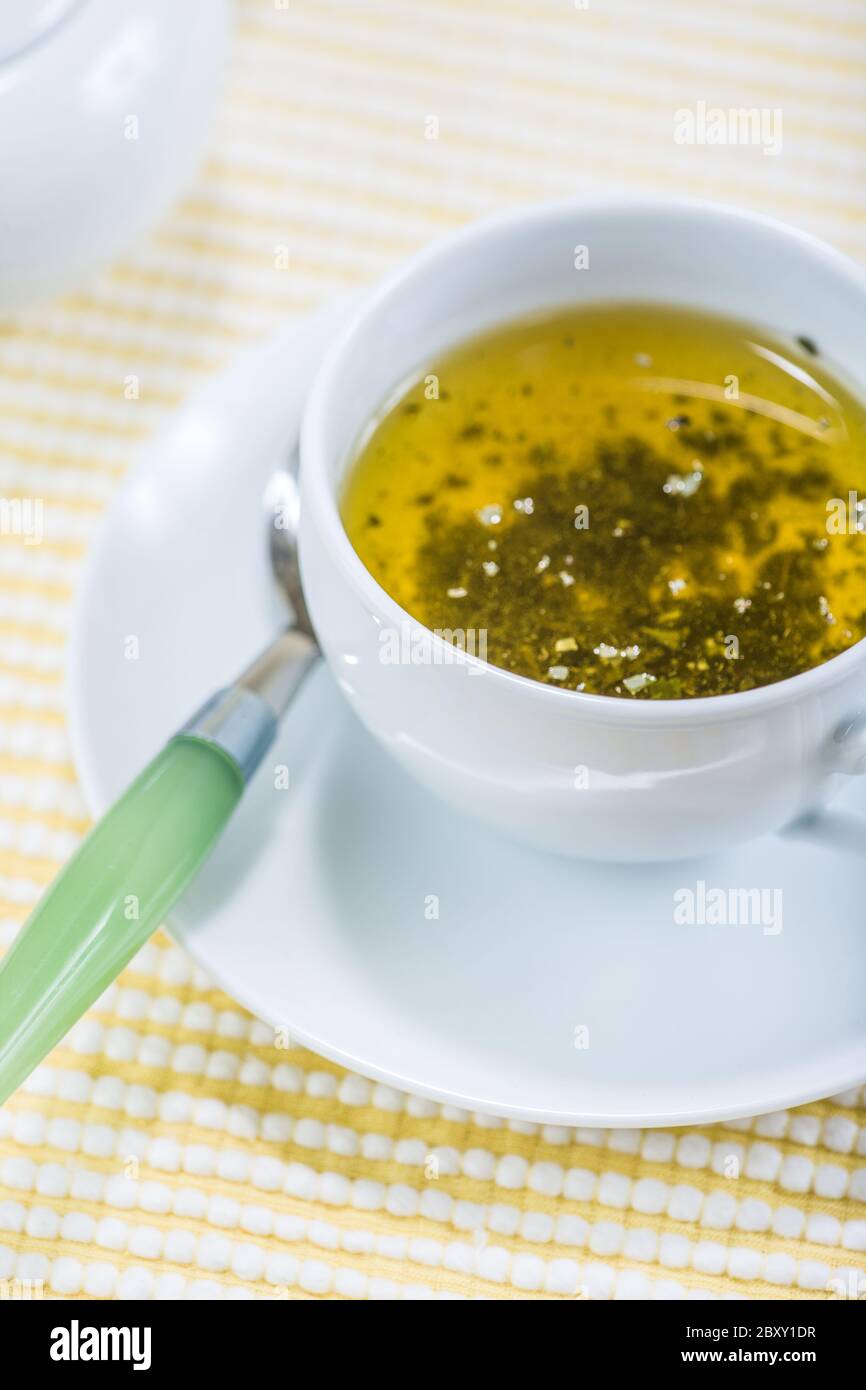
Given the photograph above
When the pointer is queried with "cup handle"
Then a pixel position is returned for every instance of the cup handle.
(846, 752)
(827, 827)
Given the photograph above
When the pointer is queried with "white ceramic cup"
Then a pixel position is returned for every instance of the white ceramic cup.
(590, 775)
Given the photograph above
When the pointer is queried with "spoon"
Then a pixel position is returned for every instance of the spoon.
(138, 859)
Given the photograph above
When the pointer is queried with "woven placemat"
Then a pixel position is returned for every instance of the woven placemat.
(168, 1149)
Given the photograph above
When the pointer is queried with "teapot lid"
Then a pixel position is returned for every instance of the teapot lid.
(22, 26)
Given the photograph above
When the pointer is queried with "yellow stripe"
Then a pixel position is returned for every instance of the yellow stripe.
(50, 499)
(182, 284)
(149, 315)
(31, 867)
(715, 41)
(52, 820)
(825, 25)
(57, 458)
(77, 424)
(45, 588)
(828, 26)
(562, 28)
(209, 210)
(378, 199)
(37, 633)
(262, 260)
(531, 14)
(17, 766)
(60, 381)
(424, 67)
(101, 347)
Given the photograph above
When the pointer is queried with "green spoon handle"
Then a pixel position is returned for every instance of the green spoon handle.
(111, 896)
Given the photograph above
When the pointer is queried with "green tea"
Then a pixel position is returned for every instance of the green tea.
(627, 500)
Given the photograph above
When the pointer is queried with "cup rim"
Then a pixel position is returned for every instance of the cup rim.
(322, 497)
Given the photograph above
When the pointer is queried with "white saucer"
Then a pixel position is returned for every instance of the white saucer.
(314, 909)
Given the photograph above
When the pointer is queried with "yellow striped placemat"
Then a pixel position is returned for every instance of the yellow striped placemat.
(167, 1149)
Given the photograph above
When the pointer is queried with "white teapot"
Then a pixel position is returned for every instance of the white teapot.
(105, 108)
